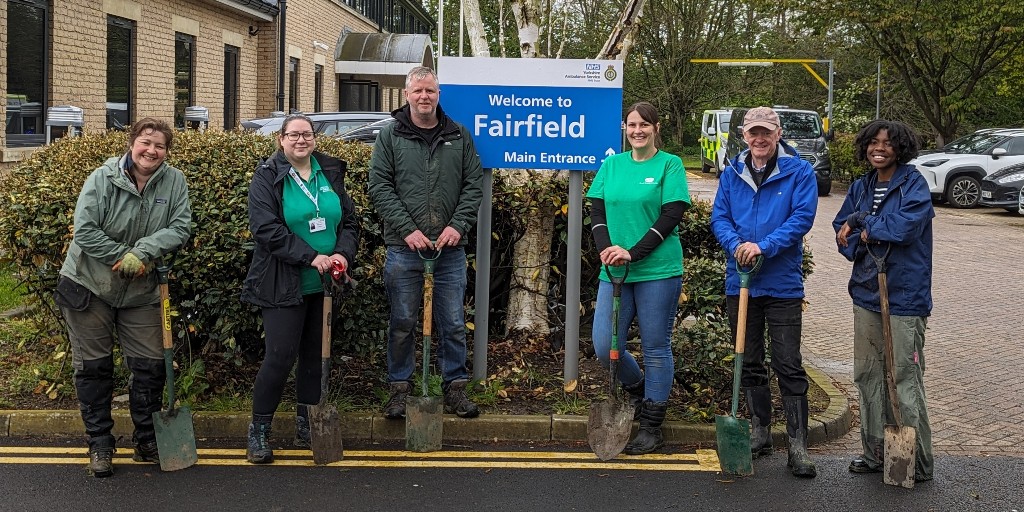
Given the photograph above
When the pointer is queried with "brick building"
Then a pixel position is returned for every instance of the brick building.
(121, 60)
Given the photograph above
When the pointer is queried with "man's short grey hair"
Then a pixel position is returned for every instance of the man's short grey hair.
(419, 73)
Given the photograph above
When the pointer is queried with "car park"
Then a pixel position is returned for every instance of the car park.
(955, 174)
(1020, 202)
(714, 131)
(1001, 189)
(366, 133)
(802, 130)
(324, 123)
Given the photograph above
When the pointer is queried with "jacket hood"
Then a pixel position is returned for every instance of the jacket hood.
(404, 117)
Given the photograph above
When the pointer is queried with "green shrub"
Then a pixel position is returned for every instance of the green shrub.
(844, 164)
(221, 332)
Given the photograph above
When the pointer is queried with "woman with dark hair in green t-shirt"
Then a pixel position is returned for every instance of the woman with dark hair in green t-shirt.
(637, 201)
(303, 223)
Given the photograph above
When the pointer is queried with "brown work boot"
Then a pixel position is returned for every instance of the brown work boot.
(395, 408)
(457, 402)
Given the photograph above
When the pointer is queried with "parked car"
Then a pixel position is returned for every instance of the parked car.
(802, 129)
(714, 131)
(368, 132)
(1020, 202)
(954, 176)
(324, 123)
(1001, 189)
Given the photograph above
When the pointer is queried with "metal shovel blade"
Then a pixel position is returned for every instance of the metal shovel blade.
(608, 427)
(900, 456)
(423, 424)
(733, 437)
(175, 439)
(325, 434)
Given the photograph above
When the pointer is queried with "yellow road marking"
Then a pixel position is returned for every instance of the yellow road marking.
(702, 460)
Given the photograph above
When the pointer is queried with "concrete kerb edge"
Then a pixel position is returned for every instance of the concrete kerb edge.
(831, 424)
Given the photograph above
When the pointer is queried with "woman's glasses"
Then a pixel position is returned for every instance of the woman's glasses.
(294, 136)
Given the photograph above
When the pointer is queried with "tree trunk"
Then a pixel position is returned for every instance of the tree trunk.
(475, 29)
(621, 38)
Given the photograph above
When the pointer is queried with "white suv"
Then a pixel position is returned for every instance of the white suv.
(954, 174)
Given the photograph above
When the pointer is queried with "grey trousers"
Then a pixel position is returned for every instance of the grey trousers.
(92, 331)
(869, 375)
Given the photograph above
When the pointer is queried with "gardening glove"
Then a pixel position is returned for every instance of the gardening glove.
(130, 266)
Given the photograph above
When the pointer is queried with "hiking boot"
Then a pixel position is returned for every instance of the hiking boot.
(258, 450)
(146, 451)
(457, 402)
(301, 426)
(649, 438)
(635, 395)
(101, 461)
(395, 408)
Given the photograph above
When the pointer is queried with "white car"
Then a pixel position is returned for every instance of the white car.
(1020, 202)
(954, 175)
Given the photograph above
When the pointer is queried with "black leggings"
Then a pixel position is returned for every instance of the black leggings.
(291, 332)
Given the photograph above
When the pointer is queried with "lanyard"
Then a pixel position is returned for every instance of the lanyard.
(298, 181)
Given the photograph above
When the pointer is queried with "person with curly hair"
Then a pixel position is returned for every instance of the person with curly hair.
(890, 210)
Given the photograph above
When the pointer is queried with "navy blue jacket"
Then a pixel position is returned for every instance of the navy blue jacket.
(775, 215)
(903, 223)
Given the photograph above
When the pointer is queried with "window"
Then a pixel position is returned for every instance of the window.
(318, 88)
(184, 76)
(120, 54)
(27, 62)
(293, 85)
(231, 67)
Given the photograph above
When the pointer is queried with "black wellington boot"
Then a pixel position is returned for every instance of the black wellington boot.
(145, 397)
(800, 463)
(94, 384)
(649, 437)
(258, 449)
(635, 395)
(302, 438)
(759, 407)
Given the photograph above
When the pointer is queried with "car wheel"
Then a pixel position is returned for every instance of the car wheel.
(705, 168)
(825, 189)
(963, 192)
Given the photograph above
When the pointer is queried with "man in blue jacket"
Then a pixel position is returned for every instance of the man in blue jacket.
(766, 201)
(890, 210)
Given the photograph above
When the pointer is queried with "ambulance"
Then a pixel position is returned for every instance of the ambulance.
(714, 132)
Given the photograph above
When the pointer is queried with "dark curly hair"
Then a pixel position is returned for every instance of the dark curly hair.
(902, 137)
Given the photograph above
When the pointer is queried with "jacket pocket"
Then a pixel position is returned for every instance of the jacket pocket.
(71, 295)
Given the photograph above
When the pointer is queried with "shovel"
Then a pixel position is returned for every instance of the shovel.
(900, 441)
(611, 419)
(175, 437)
(423, 413)
(324, 423)
(733, 433)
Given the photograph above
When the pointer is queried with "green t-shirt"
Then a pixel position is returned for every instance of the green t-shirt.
(299, 210)
(633, 193)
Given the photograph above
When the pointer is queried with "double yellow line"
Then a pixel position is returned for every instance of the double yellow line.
(700, 460)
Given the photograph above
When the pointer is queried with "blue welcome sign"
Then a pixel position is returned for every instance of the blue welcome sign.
(561, 114)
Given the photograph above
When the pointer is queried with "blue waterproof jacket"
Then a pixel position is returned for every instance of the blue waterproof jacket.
(903, 223)
(775, 215)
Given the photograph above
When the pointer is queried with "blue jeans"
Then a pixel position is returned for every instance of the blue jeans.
(403, 280)
(784, 318)
(654, 305)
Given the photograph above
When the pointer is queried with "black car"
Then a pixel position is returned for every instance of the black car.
(366, 133)
(802, 129)
(1002, 188)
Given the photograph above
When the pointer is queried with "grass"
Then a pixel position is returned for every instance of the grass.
(11, 294)
(691, 161)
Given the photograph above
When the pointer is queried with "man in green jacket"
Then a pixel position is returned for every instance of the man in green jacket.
(425, 179)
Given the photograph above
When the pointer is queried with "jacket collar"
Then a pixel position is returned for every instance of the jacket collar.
(403, 116)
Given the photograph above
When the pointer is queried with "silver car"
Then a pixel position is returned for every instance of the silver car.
(324, 123)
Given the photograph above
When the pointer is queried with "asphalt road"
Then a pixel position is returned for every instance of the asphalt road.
(493, 482)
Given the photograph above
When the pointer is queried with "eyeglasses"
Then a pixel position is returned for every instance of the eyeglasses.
(294, 136)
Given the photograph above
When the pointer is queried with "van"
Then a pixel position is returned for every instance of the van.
(714, 130)
(802, 130)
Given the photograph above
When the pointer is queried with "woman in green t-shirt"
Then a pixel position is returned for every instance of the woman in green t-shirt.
(637, 201)
(303, 223)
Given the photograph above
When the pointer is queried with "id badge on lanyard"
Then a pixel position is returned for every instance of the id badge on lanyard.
(317, 223)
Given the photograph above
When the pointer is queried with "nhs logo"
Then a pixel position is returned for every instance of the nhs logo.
(593, 67)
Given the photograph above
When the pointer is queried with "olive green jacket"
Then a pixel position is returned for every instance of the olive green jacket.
(427, 186)
(113, 218)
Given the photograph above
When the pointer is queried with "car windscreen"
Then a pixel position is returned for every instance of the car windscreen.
(800, 125)
(723, 123)
(973, 144)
